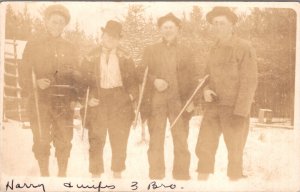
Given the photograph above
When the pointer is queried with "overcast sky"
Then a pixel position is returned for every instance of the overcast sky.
(91, 16)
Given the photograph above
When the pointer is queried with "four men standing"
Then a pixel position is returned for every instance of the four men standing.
(112, 83)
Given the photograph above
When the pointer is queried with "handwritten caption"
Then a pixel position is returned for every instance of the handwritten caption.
(100, 186)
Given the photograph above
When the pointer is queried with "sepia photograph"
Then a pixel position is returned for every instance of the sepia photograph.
(149, 96)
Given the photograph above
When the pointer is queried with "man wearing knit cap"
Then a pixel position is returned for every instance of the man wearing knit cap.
(48, 74)
(228, 96)
(169, 85)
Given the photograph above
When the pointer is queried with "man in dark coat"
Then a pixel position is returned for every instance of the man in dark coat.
(111, 77)
(233, 79)
(50, 62)
(170, 82)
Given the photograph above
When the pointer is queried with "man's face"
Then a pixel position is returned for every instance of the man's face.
(221, 27)
(110, 41)
(55, 24)
(169, 30)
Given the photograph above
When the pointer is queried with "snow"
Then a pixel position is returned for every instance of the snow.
(270, 160)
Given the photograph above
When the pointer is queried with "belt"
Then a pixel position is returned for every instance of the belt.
(110, 89)
(110, 92)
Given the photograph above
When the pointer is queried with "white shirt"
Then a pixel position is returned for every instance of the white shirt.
(110, 71)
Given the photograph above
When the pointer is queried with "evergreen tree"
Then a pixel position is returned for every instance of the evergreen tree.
(138, 31)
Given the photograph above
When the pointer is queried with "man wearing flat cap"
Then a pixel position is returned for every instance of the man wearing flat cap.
(110, 75)
(49, 75)
(228, 96)
(169, 85)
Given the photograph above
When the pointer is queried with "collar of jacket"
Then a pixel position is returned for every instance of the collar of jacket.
(95, 55)
(50, 38)
(46, 38)
(230, 43)
(172, 43)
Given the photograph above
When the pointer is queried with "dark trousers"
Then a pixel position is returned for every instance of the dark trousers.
(164, 108)
(114, 115)
(217, 120)
(56, 126)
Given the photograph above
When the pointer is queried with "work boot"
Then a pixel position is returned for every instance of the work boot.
(157, 175)
(117, 175)
(62, 166)
(203, 176)
(44, 166)
(237, 178)
(96, 175)
(181, 176)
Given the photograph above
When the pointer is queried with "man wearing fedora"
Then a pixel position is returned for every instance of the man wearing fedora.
(110, 75)
(228, 96)
(50, 62)
(169, 85)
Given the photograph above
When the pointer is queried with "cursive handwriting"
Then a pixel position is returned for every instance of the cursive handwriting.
(153, 185)
(100, 186)
(84, 186)
(11, 186)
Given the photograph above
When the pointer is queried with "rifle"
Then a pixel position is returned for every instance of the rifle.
(36, 100)
(134, 124)
(85, 111)
(200, 85)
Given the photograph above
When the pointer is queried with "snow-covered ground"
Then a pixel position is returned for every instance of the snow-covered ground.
(270, 159)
